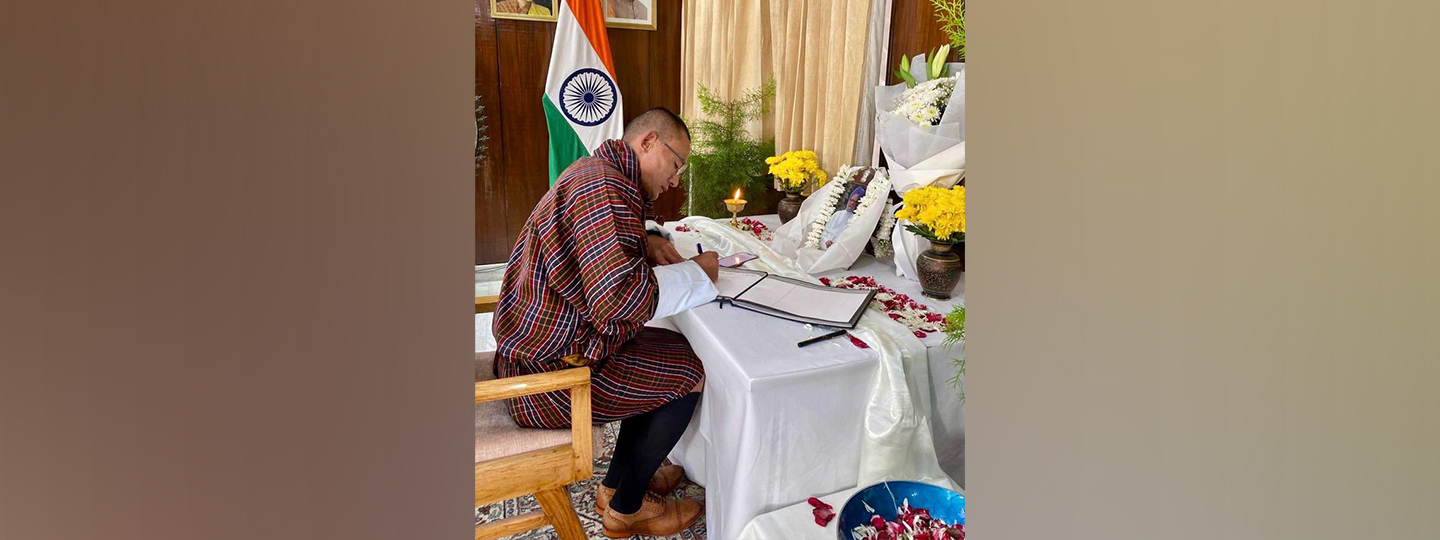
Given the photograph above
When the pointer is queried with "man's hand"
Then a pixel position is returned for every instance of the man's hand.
(660, 251)
(710, 262)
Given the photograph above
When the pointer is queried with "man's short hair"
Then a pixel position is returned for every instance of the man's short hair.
(659, 120)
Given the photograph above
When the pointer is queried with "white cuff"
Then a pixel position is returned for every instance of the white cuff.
(682, 286)
(651, 226)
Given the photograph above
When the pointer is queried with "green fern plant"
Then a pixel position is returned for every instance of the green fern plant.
(955, 333)
(951, 14)
(725, 156)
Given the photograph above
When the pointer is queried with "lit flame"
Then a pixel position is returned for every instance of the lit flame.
(737, 194)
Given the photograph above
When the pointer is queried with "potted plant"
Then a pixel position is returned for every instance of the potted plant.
(938, 215)
(793, 172)
(725, 155)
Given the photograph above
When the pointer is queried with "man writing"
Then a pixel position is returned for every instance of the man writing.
(582, 281)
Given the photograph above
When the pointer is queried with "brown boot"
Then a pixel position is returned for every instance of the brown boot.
(656, 517)
(666, 479)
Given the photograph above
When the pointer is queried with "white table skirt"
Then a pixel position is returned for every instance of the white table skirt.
(787, 435)
(947, 418)
(792, 423)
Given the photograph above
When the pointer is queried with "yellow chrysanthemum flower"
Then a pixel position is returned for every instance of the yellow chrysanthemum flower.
(937, 213)
(795, 169)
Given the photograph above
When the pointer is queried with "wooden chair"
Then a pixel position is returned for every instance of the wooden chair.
(511, 461)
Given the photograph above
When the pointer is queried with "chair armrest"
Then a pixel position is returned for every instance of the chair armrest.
(524, 385)
(486, 304)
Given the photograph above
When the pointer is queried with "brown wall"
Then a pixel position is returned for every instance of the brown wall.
(511, 60)
(913, 30)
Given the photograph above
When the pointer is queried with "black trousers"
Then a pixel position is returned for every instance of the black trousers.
(644, 441)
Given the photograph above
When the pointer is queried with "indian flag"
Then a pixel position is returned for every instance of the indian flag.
(582, 102)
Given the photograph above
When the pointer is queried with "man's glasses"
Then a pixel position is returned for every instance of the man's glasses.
(683, 164)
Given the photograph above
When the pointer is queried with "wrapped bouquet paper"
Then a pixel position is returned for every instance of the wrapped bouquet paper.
(921, 131)
(837, 221)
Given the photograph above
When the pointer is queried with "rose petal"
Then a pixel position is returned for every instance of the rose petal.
(823, 515)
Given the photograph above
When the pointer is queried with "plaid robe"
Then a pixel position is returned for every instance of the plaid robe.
(578, 291)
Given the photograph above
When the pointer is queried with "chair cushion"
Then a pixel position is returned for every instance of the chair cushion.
(496, 434)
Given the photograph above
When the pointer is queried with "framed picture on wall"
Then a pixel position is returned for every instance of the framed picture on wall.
(530, 10)
(637, 14)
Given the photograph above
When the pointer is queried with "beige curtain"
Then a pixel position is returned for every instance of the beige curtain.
(725, 45)
(815, 51)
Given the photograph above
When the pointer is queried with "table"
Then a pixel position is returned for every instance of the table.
(792, 422)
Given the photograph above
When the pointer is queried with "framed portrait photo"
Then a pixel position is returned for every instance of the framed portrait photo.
(529, 10)
(845, 208)
(636, 14)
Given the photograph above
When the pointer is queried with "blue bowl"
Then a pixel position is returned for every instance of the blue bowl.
(886, 497)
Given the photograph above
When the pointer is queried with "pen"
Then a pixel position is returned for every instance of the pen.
(698, 249)
(814, 340)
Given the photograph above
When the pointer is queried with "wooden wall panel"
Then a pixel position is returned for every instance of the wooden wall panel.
(523, 48)
(511, 61)
(489, 190)
(913, 30)
(664, 86)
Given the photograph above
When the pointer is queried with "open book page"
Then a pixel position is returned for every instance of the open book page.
(820, 303)
(732, 282)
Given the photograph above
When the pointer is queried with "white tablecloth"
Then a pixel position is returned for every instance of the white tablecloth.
(788, 425)
(947, 418)
(786, 422)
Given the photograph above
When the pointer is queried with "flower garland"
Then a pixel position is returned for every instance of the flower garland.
(883, 248)
(900, 307)
(833, 191)
(878, 189)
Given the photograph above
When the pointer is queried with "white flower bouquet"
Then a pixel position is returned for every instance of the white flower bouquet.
(923, 142)
(925, 104)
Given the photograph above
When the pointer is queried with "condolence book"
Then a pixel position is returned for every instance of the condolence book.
(792, 299)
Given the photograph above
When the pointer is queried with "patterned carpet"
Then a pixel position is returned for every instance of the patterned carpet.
(582, 496)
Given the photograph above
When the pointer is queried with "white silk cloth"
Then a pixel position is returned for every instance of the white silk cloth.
(849, 245)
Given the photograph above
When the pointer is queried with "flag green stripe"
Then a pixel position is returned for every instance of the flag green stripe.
(565, 145)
